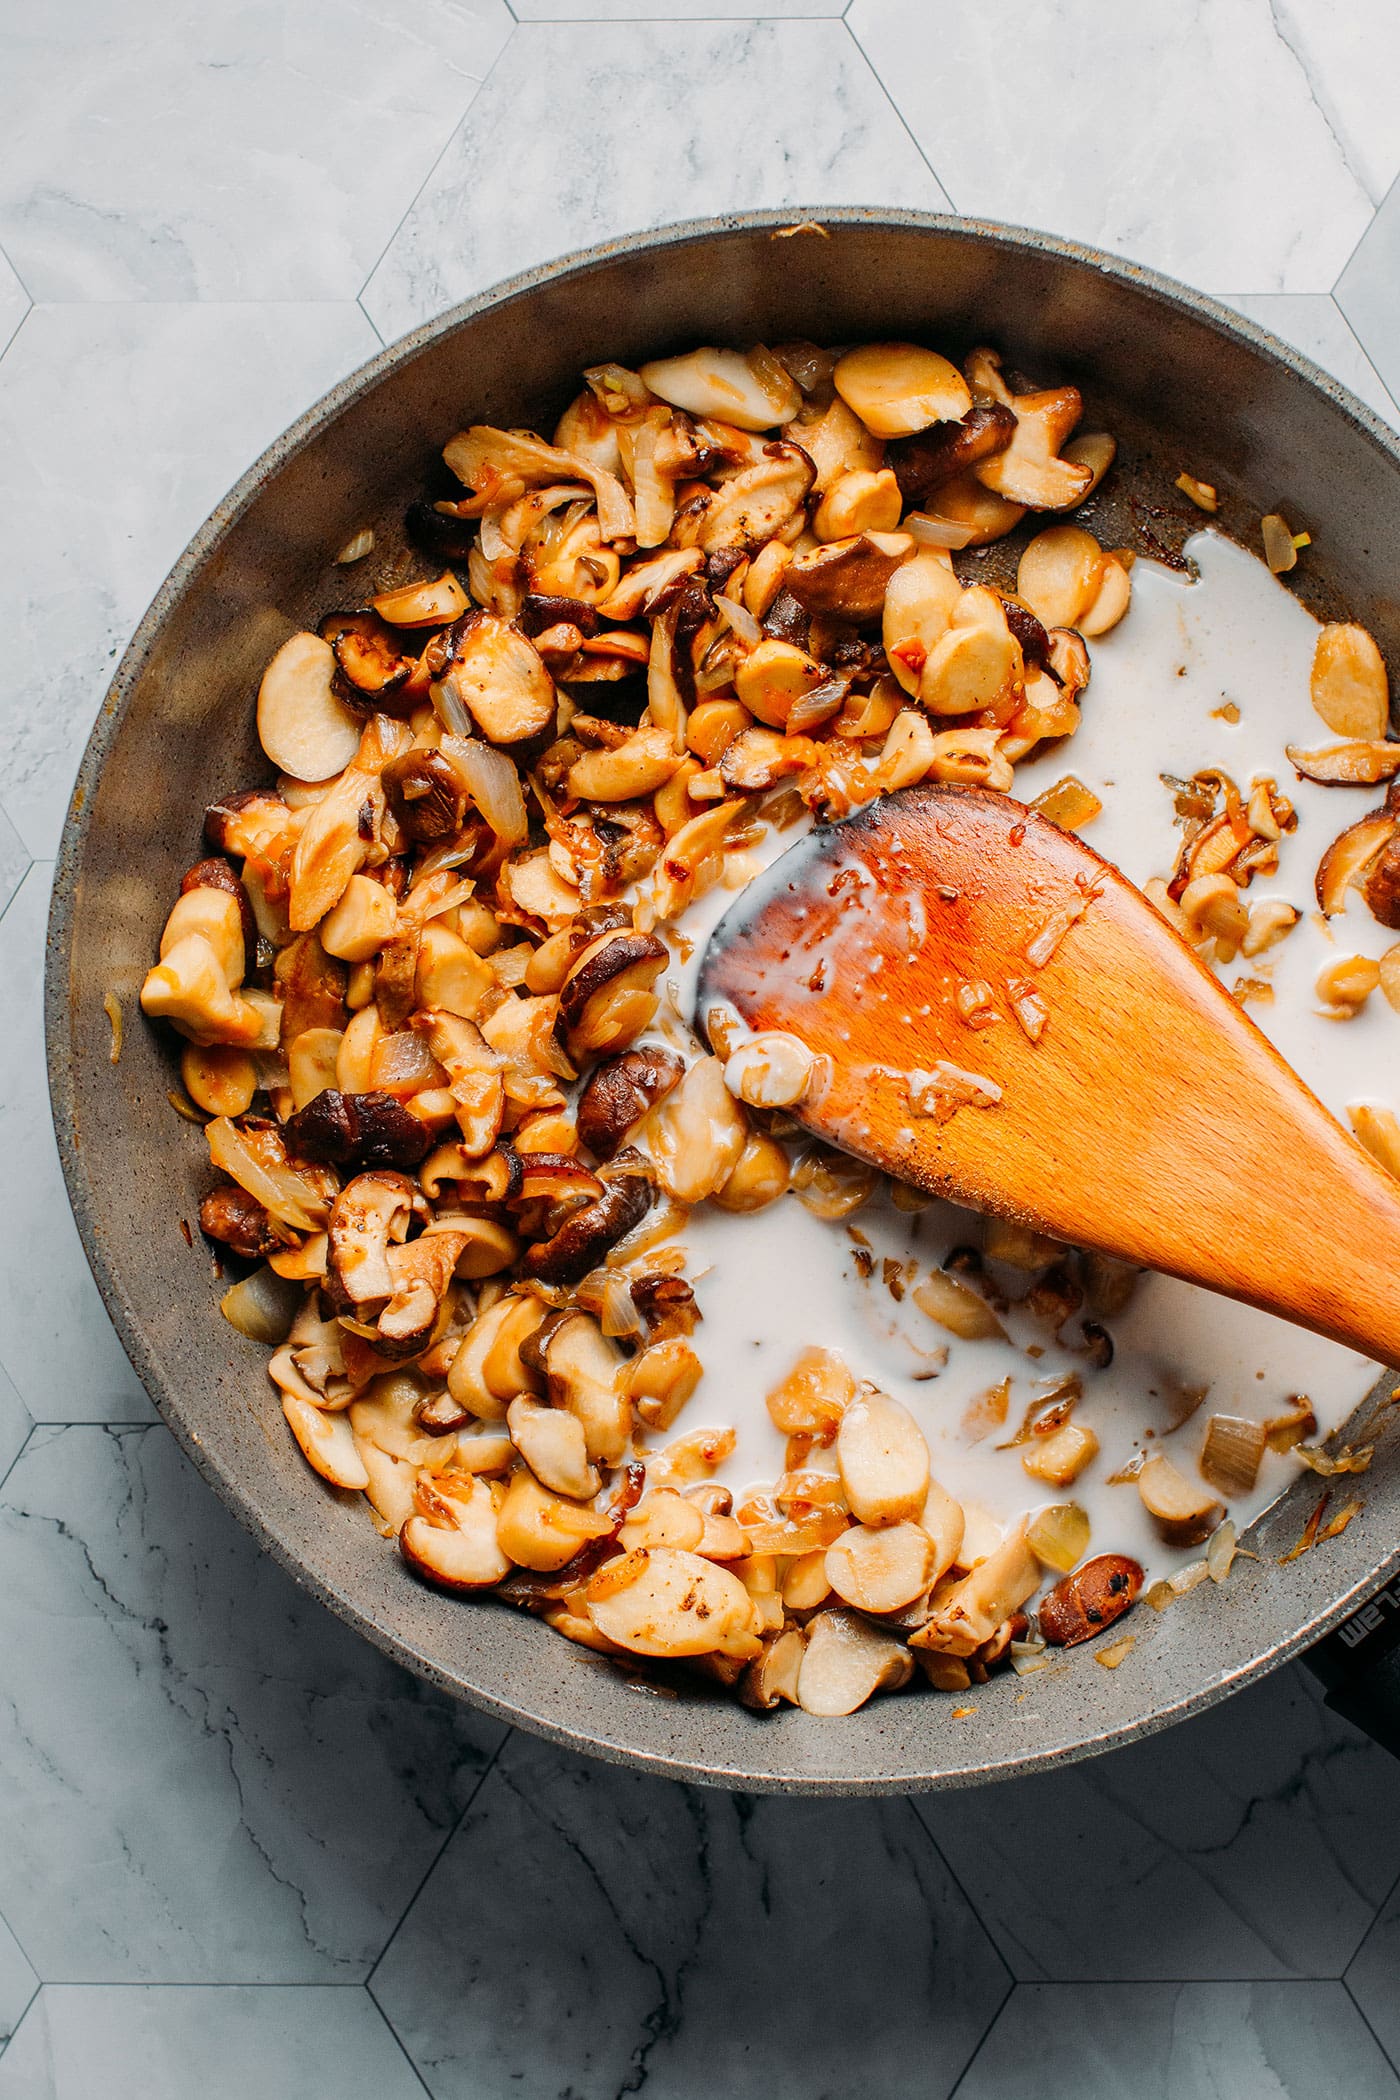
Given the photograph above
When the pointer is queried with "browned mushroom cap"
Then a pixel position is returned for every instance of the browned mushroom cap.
(439, 530)
(925, 462)
(217, 873)
(759, 758)
(1381, 889)
(312, 985)
(421, 1271)
(230, 1215)
(758, 503)
(667, 1304)
(847, 578)
(550, 1176)
(539, 612)
(497, 674)
(427, 795)
(616, 962)
(371, 670)
(1027, 629)
(373, 1129)
(369, 1212)
(583, 1239)
(619, 1092)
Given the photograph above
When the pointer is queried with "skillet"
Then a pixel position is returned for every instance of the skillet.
(1182, 382)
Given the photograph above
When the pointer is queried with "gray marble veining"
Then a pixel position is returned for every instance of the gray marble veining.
(1186, 133)
(642, 1935)
(218, 151)
(18, 1983)
(99, 2042)
(207, 1778)
(1255, 1840)
(1180, 2041)
(664, 120)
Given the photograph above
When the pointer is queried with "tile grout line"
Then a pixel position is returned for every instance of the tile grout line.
(898, 113)
(1012, 1978)
(467, 1807)
(398, 2041)
(1346, 323)
(1365, 234)
(985, 2035)
(10, 261)
(33, 1425)
(30, 2002)
(467, 109)
(1364, 2017)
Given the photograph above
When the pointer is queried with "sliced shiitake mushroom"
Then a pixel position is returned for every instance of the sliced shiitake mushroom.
(601, 1000)
(847, 579)
(373, 1129)
(498, 675)
(584, 1238)
(239, 1222)
(304, 726)
(372, 670)
(439, 530)
(756, 505)
(772, 1677)
(1381, 887)
(370, 1212)
(619, 1092)
(427, 795)
(845, 1662)
(1083, 1603)
(313, 986)
(1349, 857)
(1358, 764)
(927, 461)
(451, 1538)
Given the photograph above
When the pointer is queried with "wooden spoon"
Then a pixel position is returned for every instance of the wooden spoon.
(1147, 1117)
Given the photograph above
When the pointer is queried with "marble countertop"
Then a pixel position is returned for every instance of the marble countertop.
(239, 1851)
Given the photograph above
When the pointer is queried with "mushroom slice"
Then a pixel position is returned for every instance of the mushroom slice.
(421, 1272)
(638, 766)
(772, 1677)
(759, 758)
(327, 1443)
(1350, 689)
(1184, 1512)
(972, 1610)
(541, 1530)
(475, 1075)
(371, 668)
(333, 844)
(592, 1017)
(666, 1518)
(645, 585)
(697, 1134)
(664, 1602)
(423, 604)
(751, 393)
(899, 388)
(584, 1375)
(585, 1237)
(1381, 888)
(919, 604)
(1029, 471)
(847, 579)
(427, 795)
(552, 1443)
(370, 1212)
(845, 1662)
(499, 676)
(978, 663)
(451, 1541)
(619, 1092)
(1348, 858)
(1359, 764)
(883, 1457)
(883, 1568)
(759, 503)
(489, 1369)
(486, 459)
(836, 442)
(928, 461)
(304, 726)
(981, 514)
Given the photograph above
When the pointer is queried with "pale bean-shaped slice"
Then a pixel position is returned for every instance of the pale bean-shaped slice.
(805, 1584)
(943, 1520)
(845, 1662)
(883, 1457)
(1350, 689)
(327, 1442)
(665, 1518)
(553, 1445)
(899, 388)
(1110, 601)
(920, 599)
(1059, 574)
(771, 1070)
(463, 1556)
(752, 395)
(697, 1134)
(304, 728)
(881, 1569)
(672, 1603)
(1184, 1512)
(942, 1298)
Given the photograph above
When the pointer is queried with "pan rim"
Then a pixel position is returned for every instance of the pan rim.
(106, 1267)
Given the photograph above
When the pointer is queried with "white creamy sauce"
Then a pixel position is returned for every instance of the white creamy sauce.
(774, 1283)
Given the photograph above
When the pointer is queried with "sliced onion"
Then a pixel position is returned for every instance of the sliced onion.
(740, 619)
(451, 711)
(1221, 1552)
(937, 532)
(263, 1306)
(494, 785)
(619, 1314)
(1231, 1453)
(1059, 1536)
(281, 1191)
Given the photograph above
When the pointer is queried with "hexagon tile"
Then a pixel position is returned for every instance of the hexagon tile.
(663, 120)
(590, 1931)
(1213, 140)
(206, 149)
(1368, 290)
(207, 1777)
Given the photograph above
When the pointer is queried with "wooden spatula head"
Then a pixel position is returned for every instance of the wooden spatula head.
(1006, 1021)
